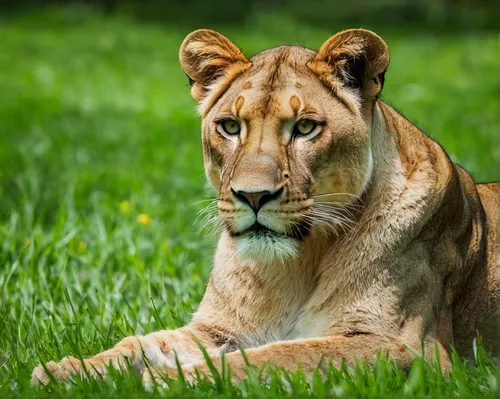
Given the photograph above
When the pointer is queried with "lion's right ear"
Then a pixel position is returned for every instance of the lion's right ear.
(355, 58)
(205, 56)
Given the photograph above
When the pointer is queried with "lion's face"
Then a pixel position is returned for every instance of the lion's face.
(286, 139)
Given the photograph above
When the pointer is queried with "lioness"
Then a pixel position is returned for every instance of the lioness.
(347, 231)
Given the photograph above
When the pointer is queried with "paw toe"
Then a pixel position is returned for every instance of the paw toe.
(151, 377)
(71, 364)
(39, 376)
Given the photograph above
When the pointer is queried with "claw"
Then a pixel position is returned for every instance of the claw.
(152, 377)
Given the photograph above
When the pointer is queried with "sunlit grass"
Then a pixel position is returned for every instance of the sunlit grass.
(101, 176)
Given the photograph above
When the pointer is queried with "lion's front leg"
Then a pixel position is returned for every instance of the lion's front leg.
(309, 353)
(158, 349)
(190, 372)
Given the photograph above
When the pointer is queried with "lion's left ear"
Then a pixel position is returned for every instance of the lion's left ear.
(357, 58)
(205, 56)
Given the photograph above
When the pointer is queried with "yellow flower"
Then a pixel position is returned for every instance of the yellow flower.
(144, 219)
(27, 242)
(125, 207)
(82, 246)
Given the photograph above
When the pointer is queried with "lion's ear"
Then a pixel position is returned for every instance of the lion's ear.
(205, 56)
(358, 58)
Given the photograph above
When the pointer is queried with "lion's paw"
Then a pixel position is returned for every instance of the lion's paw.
(60, 372)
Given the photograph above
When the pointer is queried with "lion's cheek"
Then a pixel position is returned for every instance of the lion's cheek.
(213, 174)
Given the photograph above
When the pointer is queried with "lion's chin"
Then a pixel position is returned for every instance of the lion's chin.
(266, 246)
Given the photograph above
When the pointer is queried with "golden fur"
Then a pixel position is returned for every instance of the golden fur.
(370, 238)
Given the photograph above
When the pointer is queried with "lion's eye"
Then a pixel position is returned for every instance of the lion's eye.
(230, 127)
(305, 126)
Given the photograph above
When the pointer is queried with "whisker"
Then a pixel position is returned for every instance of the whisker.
(211, 222)
(339, 204)
(334, 194)
(324, 227)
(335, 221)
(333, 209)
(204, 200)
(332, 216)
(338, 211)
(208, 208)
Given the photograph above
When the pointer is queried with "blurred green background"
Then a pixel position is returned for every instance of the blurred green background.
(101, 168)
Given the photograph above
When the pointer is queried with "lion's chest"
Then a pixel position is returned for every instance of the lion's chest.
(287, 326)
(290, 325)
(330, 309)
(279, 315)
(261, 312)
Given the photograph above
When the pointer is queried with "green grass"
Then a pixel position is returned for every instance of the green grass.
(97, 127)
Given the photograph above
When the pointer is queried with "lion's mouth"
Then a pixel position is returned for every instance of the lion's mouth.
(298, 231)
(258, 229)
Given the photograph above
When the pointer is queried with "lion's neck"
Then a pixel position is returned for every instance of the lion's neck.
(388, 175)
(403, 192)
(399, 174)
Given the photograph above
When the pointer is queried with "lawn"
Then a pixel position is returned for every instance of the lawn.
(101, 175)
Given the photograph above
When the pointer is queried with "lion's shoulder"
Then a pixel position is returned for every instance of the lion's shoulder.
(489, 190)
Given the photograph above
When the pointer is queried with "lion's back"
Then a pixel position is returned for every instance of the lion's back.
(490, 198)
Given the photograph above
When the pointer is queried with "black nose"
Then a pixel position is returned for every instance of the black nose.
(258, 198)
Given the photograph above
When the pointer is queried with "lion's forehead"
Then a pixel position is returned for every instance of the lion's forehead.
(284, 92)
(284, 103)
(275, 75)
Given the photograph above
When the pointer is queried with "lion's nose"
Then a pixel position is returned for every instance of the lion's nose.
(257, 199)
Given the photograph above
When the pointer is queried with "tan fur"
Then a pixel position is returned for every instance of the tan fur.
(403, 252)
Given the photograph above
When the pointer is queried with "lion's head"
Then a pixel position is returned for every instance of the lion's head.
(286, 133)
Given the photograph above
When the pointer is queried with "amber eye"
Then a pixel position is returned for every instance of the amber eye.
(305, 126)
(230, 127)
